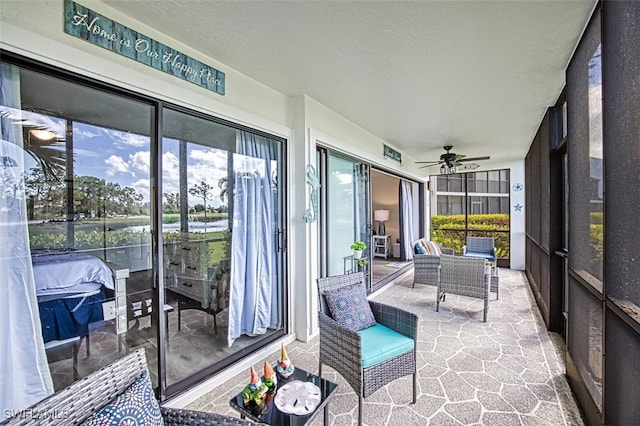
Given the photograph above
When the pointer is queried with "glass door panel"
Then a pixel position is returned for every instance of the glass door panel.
(221, 220)
(348, 216)
(85, 164)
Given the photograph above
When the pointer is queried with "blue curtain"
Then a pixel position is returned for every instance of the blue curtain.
(254, 290)
(406, 221)
(24, 372)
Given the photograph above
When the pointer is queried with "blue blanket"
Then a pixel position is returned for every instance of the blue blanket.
(65, 318)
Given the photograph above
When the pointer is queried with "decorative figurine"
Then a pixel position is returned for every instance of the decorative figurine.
(254, 393)
(284, 367)
(270, 379)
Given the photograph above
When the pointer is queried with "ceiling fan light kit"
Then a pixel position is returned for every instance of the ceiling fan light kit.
(450, 162)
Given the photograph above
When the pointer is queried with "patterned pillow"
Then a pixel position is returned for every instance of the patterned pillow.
(419, 249)
(137, 405)
(349, 307)
(434, 249)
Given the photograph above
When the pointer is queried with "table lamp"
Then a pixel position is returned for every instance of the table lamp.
(381, 216)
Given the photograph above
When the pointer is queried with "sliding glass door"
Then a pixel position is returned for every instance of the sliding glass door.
(221, 223)
(346, 214)
(127, 223)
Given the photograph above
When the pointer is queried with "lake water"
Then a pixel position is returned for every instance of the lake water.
(218, 225)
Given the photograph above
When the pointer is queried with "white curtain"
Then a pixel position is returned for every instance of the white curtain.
(24, 372)
(254, 290)
(406, 221)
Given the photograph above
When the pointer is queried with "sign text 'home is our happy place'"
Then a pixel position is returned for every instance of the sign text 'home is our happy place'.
(92, 27)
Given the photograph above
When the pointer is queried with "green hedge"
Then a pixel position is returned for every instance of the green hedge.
(449, 230)
(218, 244)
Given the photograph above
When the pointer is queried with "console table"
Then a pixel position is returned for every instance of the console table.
(381, 246)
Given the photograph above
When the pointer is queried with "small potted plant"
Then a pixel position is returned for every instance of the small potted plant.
(358, 247)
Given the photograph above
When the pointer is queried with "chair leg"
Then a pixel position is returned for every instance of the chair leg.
(415, 386)
(440, 297)
(74, 355)
(320, 369)
(360, 410)
(179, 314)
(87, 346)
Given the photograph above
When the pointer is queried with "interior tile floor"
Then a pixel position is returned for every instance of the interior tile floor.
(507, 371)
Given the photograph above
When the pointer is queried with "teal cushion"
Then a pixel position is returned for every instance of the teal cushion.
(137, 405)
(418, 249)
(488, 256)
(380, 343)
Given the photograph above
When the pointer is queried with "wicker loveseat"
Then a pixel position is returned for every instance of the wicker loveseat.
(426, 266)
(78, 402)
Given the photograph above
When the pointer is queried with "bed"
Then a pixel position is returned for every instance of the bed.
(71, 288)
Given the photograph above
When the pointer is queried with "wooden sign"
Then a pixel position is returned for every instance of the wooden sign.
(392, 153)
(96, 29)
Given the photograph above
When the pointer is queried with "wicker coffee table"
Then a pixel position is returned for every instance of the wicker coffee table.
(272, 416)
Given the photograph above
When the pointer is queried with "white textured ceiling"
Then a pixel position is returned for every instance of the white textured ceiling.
(418, 74)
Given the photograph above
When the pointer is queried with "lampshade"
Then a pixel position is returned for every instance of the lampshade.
(381, 215)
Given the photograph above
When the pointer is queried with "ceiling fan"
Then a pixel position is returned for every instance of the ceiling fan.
(450, 160)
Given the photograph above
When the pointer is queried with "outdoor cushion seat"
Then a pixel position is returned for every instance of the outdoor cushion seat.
(483, 247)
(361, 357)
(380, 343)
(488, 256)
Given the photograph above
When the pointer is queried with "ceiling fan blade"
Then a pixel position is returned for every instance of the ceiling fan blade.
(427, 162)
(474, 158)
(428, 165)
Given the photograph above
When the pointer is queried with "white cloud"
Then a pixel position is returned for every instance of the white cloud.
(142, 187)
(115, 165)
(128, 139)
(141, 161)
(205, 156)
(85, 132)
(170, 173)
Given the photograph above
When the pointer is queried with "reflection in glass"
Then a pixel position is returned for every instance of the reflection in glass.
(85, 176)
(596, 176)
(348, 215)
(223, 288)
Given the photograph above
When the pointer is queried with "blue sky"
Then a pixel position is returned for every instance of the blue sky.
(124, 158)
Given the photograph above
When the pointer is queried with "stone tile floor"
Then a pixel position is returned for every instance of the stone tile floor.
(507, 371)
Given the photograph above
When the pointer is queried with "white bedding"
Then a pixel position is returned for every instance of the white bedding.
(57, 273)
(79, 290)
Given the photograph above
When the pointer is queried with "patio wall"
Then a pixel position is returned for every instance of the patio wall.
(601, 286)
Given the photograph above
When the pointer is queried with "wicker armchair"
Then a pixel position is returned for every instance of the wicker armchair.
(342, 348)
(483, 247)
(74, 404)
(464, 276)
(426, 267)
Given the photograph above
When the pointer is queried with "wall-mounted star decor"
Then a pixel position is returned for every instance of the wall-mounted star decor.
(518, 186)
(518, 207)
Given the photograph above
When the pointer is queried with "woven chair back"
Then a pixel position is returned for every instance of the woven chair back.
(480, 244)
(337, 281)
(87, 395)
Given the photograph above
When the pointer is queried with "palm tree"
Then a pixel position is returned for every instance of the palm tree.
(202, 190)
